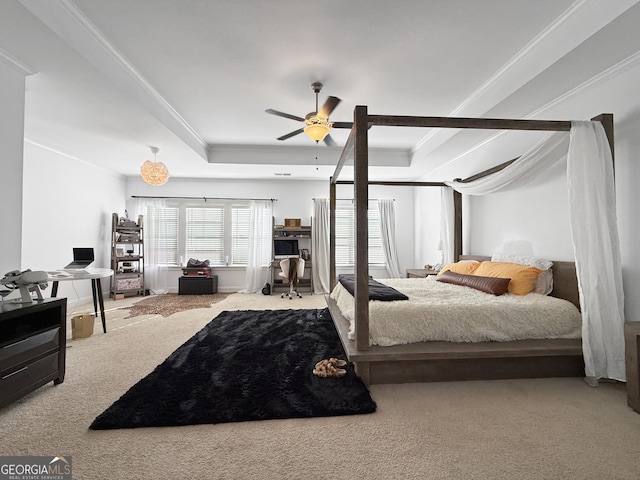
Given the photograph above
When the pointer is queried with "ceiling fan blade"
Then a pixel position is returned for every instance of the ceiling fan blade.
(342, 125)
(292, 134)
(329, 141)
(285, 115)
(328, 107)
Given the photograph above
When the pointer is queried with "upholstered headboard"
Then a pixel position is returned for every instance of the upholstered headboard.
(565, 281)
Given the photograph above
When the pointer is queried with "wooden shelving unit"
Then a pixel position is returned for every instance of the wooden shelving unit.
(127, 257)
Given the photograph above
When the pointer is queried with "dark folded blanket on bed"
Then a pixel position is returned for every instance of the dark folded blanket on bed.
(377, 290)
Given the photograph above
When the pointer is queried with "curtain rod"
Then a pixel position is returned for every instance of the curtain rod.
(351, 199)
(203, 198)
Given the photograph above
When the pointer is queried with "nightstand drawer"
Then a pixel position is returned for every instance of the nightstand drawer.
(31, 347)
(15, 384)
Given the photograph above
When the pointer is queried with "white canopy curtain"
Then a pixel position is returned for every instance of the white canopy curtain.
(320, 245)
(388, 235)
(594, 233)
(259, 241)
(155, 276)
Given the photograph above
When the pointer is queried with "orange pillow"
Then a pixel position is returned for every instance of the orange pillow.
(523, 278)
(464, 268)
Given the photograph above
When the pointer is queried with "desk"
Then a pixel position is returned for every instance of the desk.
(89, 273)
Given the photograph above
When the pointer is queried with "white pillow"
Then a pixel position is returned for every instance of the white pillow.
(538, 262)
(544, 283)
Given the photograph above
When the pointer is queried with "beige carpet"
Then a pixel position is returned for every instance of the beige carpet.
(515, 429)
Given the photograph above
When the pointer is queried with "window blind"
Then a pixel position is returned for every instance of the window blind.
(205, 234)
(345, 235)
(164, 223)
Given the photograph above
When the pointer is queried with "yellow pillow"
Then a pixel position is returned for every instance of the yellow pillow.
(523, 278)
(464, 268)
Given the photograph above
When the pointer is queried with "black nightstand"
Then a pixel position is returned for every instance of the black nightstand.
(197, 285)
(420, 272)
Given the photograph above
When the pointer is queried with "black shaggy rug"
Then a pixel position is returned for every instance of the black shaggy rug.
(244, 365)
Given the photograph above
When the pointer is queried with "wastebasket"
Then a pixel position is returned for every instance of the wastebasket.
(81, 326)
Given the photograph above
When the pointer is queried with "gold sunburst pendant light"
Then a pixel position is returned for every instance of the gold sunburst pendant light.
(154, 173)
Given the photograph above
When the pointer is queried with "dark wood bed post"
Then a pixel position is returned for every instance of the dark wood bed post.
(457, 225)
(332, 234)
(607, 122)
(361, 196)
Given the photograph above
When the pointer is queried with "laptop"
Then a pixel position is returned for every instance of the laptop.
(82, 258)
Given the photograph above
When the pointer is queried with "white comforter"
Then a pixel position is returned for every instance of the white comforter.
(441, 311)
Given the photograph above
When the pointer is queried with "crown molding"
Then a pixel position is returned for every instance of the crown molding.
(15, 64)
(291, 155)
(71, 157)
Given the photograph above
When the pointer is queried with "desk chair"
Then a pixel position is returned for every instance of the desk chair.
(292, 271)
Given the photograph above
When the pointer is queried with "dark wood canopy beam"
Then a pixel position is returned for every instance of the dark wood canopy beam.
(476, 123)
(345, 156)
(395, 184)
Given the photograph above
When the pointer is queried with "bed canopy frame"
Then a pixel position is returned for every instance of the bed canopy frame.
(435, 361)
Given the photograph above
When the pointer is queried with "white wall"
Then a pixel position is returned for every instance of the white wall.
(427, 226)
(294, 200)
(532, 221)
(11, 135)
(67, 203)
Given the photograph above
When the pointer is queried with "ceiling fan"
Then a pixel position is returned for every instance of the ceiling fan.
(317, 125)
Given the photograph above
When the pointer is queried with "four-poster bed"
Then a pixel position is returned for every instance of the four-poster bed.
(436, 360)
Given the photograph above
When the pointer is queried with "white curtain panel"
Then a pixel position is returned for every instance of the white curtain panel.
(155, 276)
(527, 168)
(388, 234)
(595, 242)
(259, 241)
(594, 234)
(320, 245)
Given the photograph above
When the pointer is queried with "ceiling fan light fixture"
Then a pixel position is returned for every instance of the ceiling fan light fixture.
(317, 128)
(154, 173)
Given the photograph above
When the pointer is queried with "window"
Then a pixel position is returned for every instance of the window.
(163, 225)
(218, 233)
(240, 231)
(240, 235)
(345, 235)
(205, 234)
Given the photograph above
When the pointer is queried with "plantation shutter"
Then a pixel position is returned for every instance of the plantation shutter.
(240, 235)
(205, 234)
(345, 236)
(165, 221)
